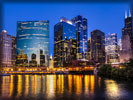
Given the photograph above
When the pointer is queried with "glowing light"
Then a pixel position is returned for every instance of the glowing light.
(69, 22)
(4, 31)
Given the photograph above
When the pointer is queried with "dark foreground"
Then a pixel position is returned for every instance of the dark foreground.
(63, 87)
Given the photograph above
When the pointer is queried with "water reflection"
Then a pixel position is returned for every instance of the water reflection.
(114, 90)
(58, 86)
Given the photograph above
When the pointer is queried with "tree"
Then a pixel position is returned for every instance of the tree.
(106, 69)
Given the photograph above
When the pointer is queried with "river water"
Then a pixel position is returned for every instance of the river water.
(63, 87)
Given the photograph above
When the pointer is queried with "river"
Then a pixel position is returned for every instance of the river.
(63, 87)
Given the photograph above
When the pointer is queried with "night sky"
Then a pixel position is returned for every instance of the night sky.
(107, 17)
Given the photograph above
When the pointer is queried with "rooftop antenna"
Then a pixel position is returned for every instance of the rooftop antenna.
(125, 14)
(129, 13)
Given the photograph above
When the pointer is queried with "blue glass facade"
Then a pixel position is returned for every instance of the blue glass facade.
(82, 37)
(33, 37)
(68, 29)
(64, 43)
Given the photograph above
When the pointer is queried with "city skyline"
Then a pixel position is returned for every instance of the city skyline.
(66, 51)
(99, 16)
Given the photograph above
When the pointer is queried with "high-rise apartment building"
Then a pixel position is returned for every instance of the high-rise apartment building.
(33, 37)
(64, 43)
(98, 46)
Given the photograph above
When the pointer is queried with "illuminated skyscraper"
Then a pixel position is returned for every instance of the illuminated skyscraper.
(82, 37)
(7, 49)
(111, 48)
(127, 39)
(64, 43)
(33, 36)
(98, 46)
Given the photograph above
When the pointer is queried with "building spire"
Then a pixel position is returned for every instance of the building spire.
(125, 14)
(129, 13)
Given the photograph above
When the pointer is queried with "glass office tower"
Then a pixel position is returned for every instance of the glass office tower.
(33, 37)
(82, 37)
(64, 43)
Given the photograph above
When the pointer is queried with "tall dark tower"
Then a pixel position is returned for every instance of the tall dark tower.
(98, 46)
(127, 39)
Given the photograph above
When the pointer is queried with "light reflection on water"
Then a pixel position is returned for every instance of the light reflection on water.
(55, 87)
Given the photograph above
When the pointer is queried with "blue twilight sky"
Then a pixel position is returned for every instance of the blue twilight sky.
(107, 17)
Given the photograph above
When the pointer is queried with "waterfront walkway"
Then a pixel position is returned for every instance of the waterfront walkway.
(42, 70)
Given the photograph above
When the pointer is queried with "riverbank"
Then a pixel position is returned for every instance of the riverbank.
(124, 72)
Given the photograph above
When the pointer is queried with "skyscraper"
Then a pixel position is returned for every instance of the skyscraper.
(82, 37)
(89, 49)
(33, 36)
(6, 50)
(13, 50)
(98, 46)
(64, 43)
(111, 48)
(127, 39)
